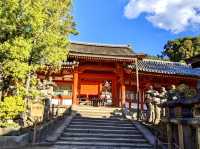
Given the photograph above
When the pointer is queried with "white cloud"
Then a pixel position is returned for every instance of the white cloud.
(172, 15)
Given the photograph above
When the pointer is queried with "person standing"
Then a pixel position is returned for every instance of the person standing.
(149, 102)
(163, 98)
(157, 109)
(173, 93)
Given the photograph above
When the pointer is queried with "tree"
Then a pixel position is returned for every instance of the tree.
(157, 57)
(180, 49)
(33, 34)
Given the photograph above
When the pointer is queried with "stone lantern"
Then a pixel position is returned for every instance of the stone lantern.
(183, 123)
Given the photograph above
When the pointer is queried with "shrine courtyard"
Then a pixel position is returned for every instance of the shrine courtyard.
(105, 88)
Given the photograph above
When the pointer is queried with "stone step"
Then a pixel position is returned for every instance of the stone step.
(96, 130)
(98, 114)
(93, 147)
(101, 127)
(89, 119)
(95, 108)
(95, 121)
(98, 110)
(102, 135)
(101, 123)
(96, 139)
(93, 115)
(103, 113)
(105, 144)
(106, 127)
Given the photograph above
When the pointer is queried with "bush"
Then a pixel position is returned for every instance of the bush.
(10, 108)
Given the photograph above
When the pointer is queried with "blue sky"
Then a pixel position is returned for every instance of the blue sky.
(116, 22)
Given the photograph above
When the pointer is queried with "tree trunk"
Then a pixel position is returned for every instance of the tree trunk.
(25, 117)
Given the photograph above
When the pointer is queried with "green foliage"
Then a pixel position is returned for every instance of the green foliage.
(9, 124)
(157, 57)
(10, 108)
(33, 34)
(34, 93)
(180, 49)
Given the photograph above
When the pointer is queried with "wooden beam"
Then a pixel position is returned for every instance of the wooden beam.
(96, 68)
(175, 76)
(98, 76)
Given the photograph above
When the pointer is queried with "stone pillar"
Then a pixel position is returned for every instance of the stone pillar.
(188, 142)
(75, 88)
(180, 136)
(198, 138)
(169, 136)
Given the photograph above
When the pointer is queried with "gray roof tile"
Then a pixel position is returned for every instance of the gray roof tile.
(101, 49)
(157, 66)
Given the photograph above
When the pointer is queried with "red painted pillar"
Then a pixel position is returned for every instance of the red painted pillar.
(100, 87)
(114, 93)
(123, 91)
(122, 88)
(75, 88)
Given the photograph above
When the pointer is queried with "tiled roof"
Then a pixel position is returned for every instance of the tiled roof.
(104, 58)
(101, 49)
(164, 67)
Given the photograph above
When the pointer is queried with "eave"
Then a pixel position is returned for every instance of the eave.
(107, 58)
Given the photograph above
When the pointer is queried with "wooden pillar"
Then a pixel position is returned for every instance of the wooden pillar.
(123, 91)
(122, 88)
(118, 94)
(142, 100)
(114, 93)
(100, 87)
(75, 88)
(137, 89)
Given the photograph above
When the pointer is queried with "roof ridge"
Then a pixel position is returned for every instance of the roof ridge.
(146, 59)
(102, 44)
(125, 56)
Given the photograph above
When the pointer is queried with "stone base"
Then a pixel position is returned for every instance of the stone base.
(14, 141)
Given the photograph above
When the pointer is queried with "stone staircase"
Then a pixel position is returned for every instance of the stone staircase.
(97, 112)
(96, 128)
